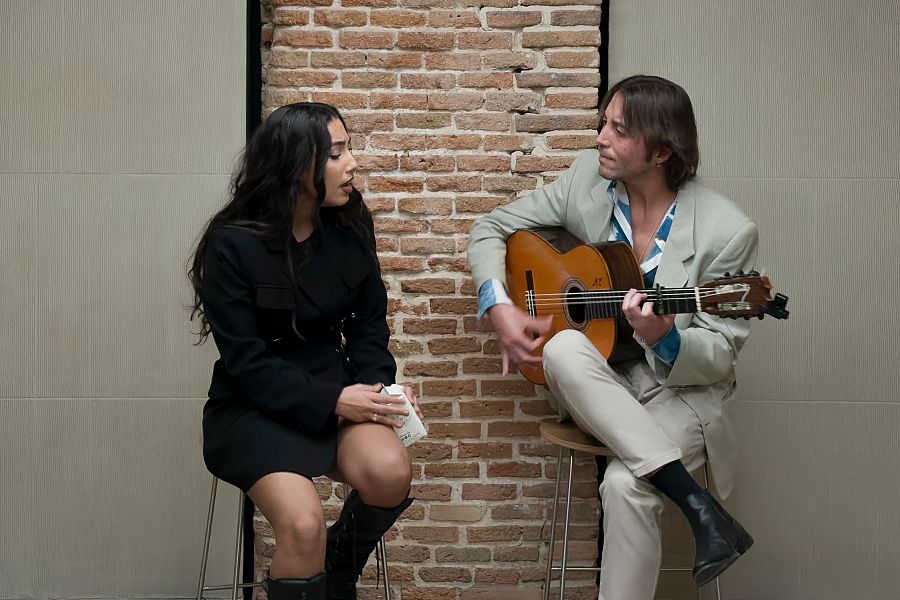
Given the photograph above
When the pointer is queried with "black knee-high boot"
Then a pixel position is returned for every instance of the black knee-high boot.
(351, 540)
(314, 588)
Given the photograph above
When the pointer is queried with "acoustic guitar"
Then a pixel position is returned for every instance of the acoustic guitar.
(549, 271)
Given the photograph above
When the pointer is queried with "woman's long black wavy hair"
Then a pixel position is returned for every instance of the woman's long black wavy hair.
(268, 182)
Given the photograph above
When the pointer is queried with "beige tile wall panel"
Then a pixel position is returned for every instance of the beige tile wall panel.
(104, 86)
(119, 125)
(800, 124)
(97, 281)
(112, 503)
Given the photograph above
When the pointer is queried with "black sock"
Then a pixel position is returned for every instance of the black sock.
(673, 480)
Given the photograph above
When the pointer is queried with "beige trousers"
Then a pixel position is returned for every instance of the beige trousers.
(646, 426)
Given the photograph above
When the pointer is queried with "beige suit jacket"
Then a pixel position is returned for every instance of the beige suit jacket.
(709, 237)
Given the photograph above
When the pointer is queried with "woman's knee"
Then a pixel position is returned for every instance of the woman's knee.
(386, 480)
(303, 532)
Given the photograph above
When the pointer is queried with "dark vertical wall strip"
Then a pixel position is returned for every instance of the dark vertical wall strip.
(604, 86)
(254, 66)
(604, 48)
(253, 90)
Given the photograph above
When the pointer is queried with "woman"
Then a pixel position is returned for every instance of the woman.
(287, 281)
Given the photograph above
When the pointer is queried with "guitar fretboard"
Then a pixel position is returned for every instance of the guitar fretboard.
(608, 304)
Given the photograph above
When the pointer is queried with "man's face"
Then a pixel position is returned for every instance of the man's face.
(623, 153)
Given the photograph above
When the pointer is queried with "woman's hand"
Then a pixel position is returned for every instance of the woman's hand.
(363, 403)
(414, 401)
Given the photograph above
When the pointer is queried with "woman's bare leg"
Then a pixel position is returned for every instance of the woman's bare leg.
(291, 504)
(372, 460)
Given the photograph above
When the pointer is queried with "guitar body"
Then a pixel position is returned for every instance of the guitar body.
(552, 263)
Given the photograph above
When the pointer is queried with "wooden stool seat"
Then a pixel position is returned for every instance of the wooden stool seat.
(568, 435)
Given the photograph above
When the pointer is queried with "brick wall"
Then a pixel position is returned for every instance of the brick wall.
(455, 107)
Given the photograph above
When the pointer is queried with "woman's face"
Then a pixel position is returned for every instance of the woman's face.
(340, 166)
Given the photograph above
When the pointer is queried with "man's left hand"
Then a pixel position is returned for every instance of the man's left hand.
(639, 314)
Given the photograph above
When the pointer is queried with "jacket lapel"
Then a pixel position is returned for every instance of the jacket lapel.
(596, 212)
(680, 244)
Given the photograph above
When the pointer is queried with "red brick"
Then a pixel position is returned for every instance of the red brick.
(437, 410)
(467, 554)
(426, 206)
(448, 387)
(512, 19)
(397, 18)
(547, 79)
(513, 469)
(425, 40)
(507, 387)
(508, 143)
(540, 164)
(394, 60)
(428, 593)
(289, 15)
(386, 100)
(384, 183)
(519, 512)
(396, 263)
(573, 141)
(512, 101)
(441, 19)
(411, 141)
(440, 264)
(485, 40)
(430, 369)
(303, 38)
(572, 59)
(488, 491)
(560, 38)
(341, 18)
(453, 345)
(454, 430)
(454, 61)
(430, 451)
(424, 120)
(504, 553)
(408, 553)
(497, 576)
(453, 183)
(368, 79)
(522, 60)
(485, 408)
(569, 18)
(288, 58)
(431, 534)
(484, 121)
(430, 285)
(535, 408)
(366, 121)
(390, 225)
(521, 429)
(383, 244)
(500, 81)
(376, 162)
(497, 533)
(461, 470)
(293, 78)
(481, 364)
(429, 326)
(426, 162)
(342, 100)
(445, 574)
(429, 245)
(366, 39)
(512, 183)
(430, 491)
(538, 449)
(457, 101)
(451, 226)
(457, 306)
(484, 450)
(369, 3)
(483, 163)
(428, 81)
(555, 122)
(572, 100)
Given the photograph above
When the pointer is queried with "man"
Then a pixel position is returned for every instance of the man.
(663, 414)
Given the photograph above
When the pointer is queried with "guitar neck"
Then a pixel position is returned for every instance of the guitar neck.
(608, 303)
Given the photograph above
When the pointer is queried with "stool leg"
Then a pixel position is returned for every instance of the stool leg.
(549, 575)
(565, 548)
(209, 523)
(239, 549)
(382, 553)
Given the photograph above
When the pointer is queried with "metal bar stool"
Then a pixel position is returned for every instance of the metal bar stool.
(238, 550)
(569, 437)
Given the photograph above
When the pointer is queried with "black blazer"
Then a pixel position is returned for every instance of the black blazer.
(264, 365)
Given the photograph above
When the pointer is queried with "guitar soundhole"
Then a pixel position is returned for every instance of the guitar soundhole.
(575, 306)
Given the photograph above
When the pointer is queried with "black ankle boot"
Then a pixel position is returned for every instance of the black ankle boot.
(351, 540)
(719, 539)
(314, 588)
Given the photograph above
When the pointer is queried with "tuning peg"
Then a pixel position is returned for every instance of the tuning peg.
(741, 272)
(753, 273)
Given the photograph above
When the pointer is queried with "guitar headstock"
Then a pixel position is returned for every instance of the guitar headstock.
(742, 295)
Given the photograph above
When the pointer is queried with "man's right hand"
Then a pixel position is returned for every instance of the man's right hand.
(519, 335)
